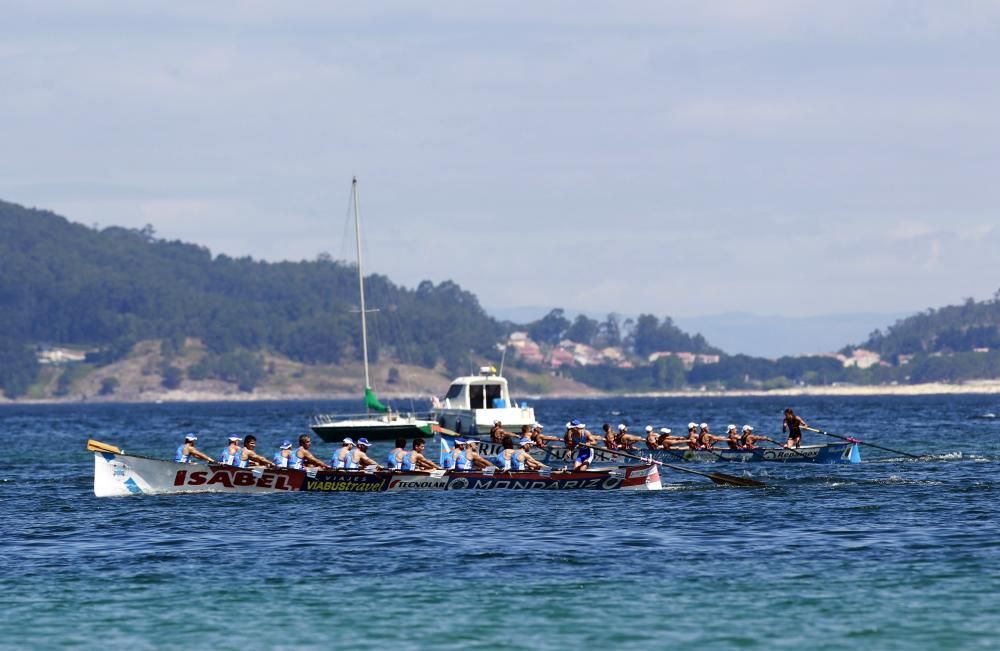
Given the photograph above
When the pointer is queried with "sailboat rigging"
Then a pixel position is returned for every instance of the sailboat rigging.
(385, 424)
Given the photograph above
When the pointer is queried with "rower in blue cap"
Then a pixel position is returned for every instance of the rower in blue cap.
(283, 457)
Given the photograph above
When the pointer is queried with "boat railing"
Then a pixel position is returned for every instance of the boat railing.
(389, 417)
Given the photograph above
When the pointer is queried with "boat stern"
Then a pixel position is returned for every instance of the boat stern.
(644, 477)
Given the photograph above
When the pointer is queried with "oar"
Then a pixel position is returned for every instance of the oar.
(717, 477)
(854, 440)
(97, 446)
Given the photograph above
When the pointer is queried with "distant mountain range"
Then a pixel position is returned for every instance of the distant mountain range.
(757, 335)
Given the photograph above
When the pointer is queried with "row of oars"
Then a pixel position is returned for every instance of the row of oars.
(731, 480)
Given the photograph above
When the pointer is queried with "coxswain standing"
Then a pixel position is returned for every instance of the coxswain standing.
(344, 456)
(581, 438)
(303, 459)
(415, 459)
(249, 454)
(283, 457)
(186, 450)
(394, 460)
(230, 455)
(791, 424)
(707, 440)
(748, 438)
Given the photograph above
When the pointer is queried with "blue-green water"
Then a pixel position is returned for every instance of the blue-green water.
(887, 555)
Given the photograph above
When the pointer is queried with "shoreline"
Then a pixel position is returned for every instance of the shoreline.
(976, 387)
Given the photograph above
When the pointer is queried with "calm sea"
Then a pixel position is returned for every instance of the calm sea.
(890, 554)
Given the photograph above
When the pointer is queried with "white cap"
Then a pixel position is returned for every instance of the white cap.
(348, 440)
(649, 428)
(704, 425)
(731, 428)
(623, 427)
(747, 428)
(234, 438)
(692, 425)
(664, 430)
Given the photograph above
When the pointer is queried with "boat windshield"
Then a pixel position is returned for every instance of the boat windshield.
(454, 391)
(491, 393)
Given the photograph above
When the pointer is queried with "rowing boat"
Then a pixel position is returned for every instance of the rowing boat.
(118, 474)
(822, 453)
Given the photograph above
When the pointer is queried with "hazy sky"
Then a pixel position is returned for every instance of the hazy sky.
(679, 158)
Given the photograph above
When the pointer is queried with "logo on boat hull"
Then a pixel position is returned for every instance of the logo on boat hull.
(238, 478)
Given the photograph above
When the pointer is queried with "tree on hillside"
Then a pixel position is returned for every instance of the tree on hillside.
(583, 330)
(550, 328)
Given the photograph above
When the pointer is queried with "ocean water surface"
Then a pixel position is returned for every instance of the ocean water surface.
(890, 554)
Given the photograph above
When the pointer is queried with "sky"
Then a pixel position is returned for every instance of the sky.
(666, 157)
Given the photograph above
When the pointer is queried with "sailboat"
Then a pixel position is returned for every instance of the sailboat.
(379, 422)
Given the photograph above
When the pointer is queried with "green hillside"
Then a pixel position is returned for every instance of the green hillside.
(66, 284)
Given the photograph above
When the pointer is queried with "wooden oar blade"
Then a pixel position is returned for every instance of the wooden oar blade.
(97, 446)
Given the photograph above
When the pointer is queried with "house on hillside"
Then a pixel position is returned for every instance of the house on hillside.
(862, 358)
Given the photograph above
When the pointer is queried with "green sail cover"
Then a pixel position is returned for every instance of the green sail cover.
(371, 402)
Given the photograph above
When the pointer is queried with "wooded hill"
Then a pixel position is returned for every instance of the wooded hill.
(63, 283)
(105, 290)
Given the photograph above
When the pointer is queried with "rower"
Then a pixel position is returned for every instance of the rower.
(748, 438)
(283, 457)
(497, 432)
(186, 450)
(733, 437)
(343, 459)
(415, 459)
(539, 438)
(610, 440)
(459, 458)
(666, 440)
(359, 457)
(506, 453)
(472, 453)
(707, 440)
(249, 453)
(579, 434)
(303, 459)
(692, 438)
(394, 461)
(522, 459)
(627, 441)
(230, 455)
(791, 424)
(652, 440)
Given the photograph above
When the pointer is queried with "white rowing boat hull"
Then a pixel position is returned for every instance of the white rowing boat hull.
(117, 474)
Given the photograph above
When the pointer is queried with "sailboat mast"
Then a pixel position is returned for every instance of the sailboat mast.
(361, 279)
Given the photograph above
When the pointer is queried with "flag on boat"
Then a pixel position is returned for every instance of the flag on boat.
(371, 402)
(446, 458)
